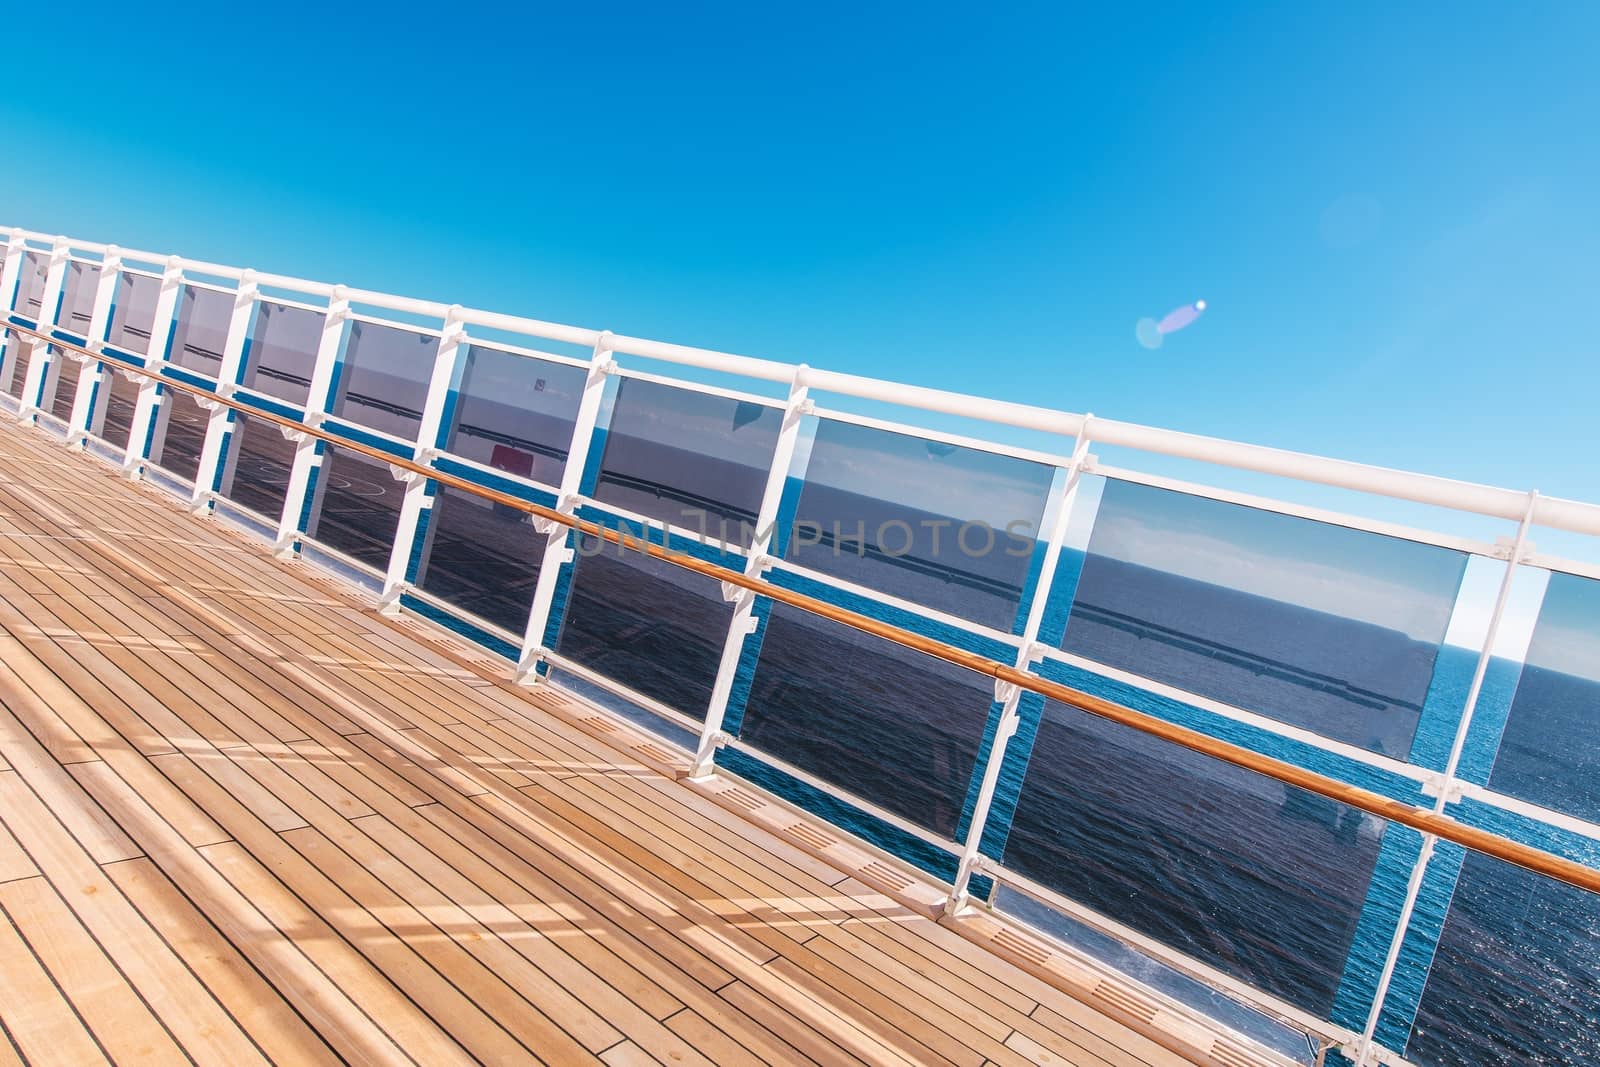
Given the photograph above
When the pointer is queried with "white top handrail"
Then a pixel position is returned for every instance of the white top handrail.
(1571, 515)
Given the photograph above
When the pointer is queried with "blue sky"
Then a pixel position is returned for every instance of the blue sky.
(1390, 209)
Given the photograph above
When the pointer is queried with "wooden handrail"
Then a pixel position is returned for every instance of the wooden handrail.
(1440, 826)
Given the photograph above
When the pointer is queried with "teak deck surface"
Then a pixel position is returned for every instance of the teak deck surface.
(243, 819)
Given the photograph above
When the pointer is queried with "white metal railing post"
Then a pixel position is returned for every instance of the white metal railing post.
(1448, 784)
(744, 621)
(220, 418)
(1009, 695)
(306, 455)
(556, 553)
(416, 499)
(39, 362)
(93, 372)
(16, 249)
(148, 407)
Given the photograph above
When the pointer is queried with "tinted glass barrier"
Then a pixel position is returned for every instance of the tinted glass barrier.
(692, 459)
(1261, 880)
(282, 351)
(180, 434)
(201, 331)
(30, 285)
(1550, 751)
(1516, 975)
(258, 465)
(356, 507)
(383, 378)
(482, 557)
(889, 724)
(648, 624)
(950, 527)
(515, 413)
(120, 397)
(133, 312)
(1320, 626)
(77, 298)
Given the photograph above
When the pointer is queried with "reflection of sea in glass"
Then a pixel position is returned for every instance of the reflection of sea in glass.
(515, 413)
(23, 350)
(946, 526)
(648, 624)
(481, 557)
(61, 389)
(1516, 978)
(357, 507)
(259, 461)
(888, 724)
(201, 331)
(1316, 625)
(688, 458)
(383, 378)
(1550, 751)
(121, 394)
(1263, 881)
(180, 434)
(282, 351)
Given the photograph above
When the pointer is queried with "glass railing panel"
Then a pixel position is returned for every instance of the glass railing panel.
(383, 378)
(1320, 626)
(1516, 975)
(121, 395)
(259, 461)
(645, 623)
(180, 434)
(515, 413)
(23, 349)
(692, 459)
(77, 299)
(1260, 880)
(891, 725)
(201, 331)
(482, 557)
(30, 285)
(947, 526)
(61, 388)
(1550, 751)
(282, 351)
(356, 509)
(133, 312)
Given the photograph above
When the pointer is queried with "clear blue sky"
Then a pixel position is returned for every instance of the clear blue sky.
(1391, 209)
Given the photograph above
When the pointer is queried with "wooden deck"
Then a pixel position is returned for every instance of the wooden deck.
(242, 818)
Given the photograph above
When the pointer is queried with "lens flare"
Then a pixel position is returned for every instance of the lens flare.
(1178, 318)
(1150, 333)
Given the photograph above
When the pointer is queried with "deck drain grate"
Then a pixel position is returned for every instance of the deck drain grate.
(1228, 1054)
(741, 799)
(1019, 946)
(599, 725)
(807, 836)
(1125, 1002)
(887, 875)
(651, 752)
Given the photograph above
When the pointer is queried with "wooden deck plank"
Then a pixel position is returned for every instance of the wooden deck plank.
(327, 838)
(122, 1023)
(44, 1024)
